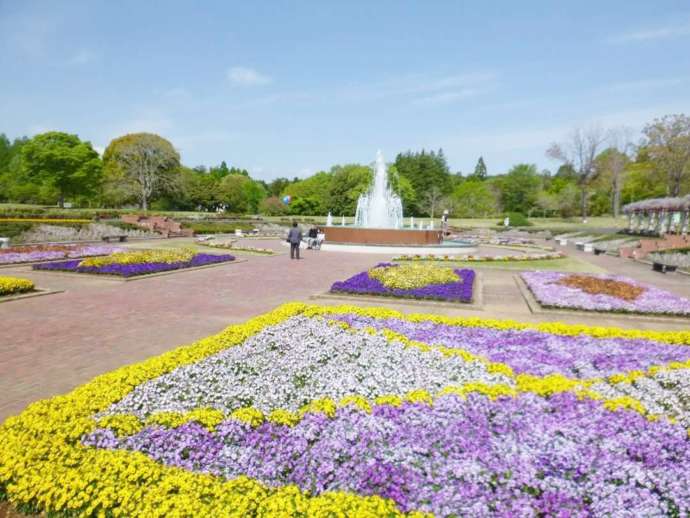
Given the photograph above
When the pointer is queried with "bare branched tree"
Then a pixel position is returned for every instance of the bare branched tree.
(431, 200)
(620, 142)
(579, 152)
(668, 142)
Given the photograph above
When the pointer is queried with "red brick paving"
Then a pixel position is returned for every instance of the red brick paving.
(49, 345)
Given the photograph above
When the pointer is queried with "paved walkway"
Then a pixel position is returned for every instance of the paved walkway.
(50, 344)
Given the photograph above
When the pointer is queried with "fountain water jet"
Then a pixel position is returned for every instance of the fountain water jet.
(379, 207)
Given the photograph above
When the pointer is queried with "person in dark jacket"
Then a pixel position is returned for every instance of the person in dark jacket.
(294, 238)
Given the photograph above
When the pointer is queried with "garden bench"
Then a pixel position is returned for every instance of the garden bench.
(121, 238)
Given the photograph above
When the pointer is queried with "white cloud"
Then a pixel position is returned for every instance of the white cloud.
(242, 76)
(82, 57)
(658, 33)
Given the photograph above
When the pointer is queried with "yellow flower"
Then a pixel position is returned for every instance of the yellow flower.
(14, 285)
(410, 276)
(142, 256)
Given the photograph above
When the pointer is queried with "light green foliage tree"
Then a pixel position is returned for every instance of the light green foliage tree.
(306, 206)
(668, 143)
(520, 188)
(643, 180)
(346, 184)
(474, 199)
(240, 194)
(142, 165)
(547, 202)
(315, 188)
(63, 162)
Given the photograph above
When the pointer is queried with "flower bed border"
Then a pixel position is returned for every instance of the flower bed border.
(36, 292)
(121, 278)
(476, 303)
(245, 250)
(538, 308)
(55, 425)
(397, 297)
(29, 263)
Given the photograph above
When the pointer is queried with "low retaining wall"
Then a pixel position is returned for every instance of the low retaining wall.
(382, 236)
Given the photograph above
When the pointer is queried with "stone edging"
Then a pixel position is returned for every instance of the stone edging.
(536, 308)
(477, 303)
(38, 292)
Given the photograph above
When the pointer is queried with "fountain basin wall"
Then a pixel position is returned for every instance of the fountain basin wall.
(382, 236)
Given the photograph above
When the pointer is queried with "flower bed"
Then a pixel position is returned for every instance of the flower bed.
(312, 410)
(613, 293)
(231, 246)
(482, 258)
(44, 220)
(411, 281)
(15, 286)
(35, 253)
(137, 263)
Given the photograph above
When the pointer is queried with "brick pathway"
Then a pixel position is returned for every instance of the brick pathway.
(49, 345)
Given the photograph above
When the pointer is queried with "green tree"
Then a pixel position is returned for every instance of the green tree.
(273, 206)
(277, 186)
(474, 199)
(347, 183)
(668, 145)
(519, 188)
(427, 172)
(480, 172)
(62, 161)
(142, 165)
(315, 188)
(305, 206)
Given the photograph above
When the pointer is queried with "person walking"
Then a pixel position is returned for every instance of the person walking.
(444, 222)
(295, 239)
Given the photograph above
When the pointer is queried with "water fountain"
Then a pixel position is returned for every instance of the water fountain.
(379, 218)
(379, 207)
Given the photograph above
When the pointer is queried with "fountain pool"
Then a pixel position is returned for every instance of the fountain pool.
(379, 224)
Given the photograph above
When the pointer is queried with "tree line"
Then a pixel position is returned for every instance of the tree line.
(596, 173)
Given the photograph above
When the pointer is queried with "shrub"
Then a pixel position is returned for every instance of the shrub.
(517, 219)
(218, 227)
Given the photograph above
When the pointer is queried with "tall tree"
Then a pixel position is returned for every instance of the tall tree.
(579, 152)
(347, 183)
(519, 188)
(426, 171)
(668, 144)
(474, 199)
(62, 161)
(480, 172)
(143, 164)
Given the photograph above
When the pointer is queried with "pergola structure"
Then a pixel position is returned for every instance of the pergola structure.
(659, 216)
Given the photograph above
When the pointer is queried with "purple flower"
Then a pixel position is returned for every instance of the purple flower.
(560, 456)
(549, 292)
(536, 352)
(363, 284)
(133, 270)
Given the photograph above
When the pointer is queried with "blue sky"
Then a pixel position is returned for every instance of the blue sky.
(289, 88)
